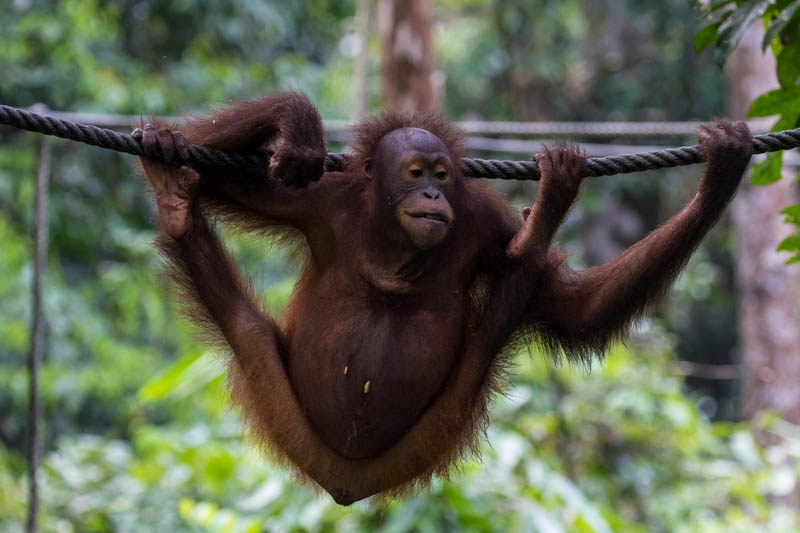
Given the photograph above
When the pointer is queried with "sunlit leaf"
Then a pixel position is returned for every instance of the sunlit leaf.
(188, 374)
(776, 102)
(792, 210)
(789, 244)
(792, 214)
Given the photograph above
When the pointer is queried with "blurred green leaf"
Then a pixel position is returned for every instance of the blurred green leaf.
(779, 22)
(790, 244)
(789, 64)
(792, 214)
(767, 171)
(706, 36)
(184, 377)
(776, 102)
(732, 29)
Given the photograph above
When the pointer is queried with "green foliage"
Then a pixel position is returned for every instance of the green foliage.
(791, 243)
(767, 171)
(188, 374)
(572, 60)
(734, 24)
(782, 22)
(706, 36)
(776, 102)
(85, 54)
(788, 66)
(617, 449)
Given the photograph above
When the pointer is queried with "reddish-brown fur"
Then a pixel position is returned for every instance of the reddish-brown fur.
(430, 342)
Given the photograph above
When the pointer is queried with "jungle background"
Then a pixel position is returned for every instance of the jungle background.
(691, 426)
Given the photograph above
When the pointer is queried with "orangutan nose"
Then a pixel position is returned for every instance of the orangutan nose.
(432, 193)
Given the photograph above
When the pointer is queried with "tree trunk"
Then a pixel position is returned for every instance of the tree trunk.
(406, 60)
(767, 288)
(365, 11)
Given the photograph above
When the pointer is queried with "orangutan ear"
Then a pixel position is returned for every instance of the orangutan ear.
(368, 167)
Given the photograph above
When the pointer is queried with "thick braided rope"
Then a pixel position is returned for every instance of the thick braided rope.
(475, 168)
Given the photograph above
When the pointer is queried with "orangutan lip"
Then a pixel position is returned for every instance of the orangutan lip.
(434, 217)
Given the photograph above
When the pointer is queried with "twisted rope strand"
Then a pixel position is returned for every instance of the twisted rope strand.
(474, 168)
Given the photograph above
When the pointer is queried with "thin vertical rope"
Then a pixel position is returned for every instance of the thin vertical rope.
(38, 333)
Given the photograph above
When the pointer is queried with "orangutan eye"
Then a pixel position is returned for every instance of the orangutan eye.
(416, 172)
(442, 174)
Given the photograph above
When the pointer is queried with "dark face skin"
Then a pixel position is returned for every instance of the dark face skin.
(414, 183)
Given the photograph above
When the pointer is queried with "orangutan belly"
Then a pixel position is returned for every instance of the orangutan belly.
(363, 377)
